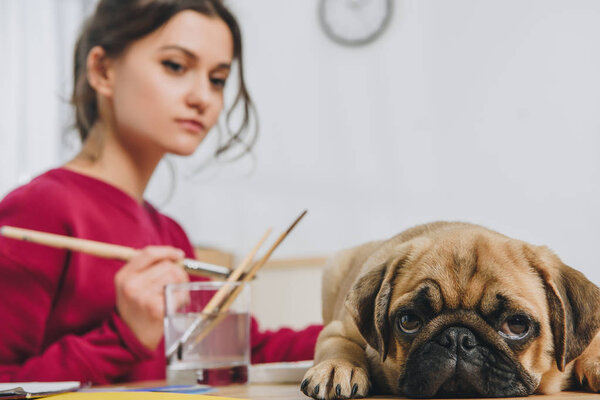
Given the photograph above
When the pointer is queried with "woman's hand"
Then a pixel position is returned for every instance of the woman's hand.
(140, 290)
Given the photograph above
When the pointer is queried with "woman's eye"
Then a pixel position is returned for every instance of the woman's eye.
(515, 327)
(410, 323)
(173, 66)
(218, 82)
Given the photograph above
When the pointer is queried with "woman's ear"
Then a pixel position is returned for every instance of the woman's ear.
(100, 72)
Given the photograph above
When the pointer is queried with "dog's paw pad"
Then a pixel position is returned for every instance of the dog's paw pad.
(335, 379)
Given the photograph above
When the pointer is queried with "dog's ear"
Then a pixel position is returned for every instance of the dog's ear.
(573, 303)
(368, 302)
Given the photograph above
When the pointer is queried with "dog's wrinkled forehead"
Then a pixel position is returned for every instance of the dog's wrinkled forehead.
(468, 272)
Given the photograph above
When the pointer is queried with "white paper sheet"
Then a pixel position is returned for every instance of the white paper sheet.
(41, 387)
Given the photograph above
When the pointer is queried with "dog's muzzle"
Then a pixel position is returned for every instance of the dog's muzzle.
(457, 363)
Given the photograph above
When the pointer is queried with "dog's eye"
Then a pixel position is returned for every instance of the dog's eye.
(409, 323)
(515, 327)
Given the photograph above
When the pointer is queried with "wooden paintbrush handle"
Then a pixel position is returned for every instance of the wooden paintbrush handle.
(227, 301)
(104, 250)
(99, 249)
(222, 293)
(218, 298)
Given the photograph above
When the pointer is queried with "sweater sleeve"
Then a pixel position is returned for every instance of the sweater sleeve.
(32, 277)
(284, 344)
(100, 356)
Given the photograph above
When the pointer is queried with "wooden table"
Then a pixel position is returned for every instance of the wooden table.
(292, 392)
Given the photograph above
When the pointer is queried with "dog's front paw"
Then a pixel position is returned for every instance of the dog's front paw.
(335, 379)
(587, 371)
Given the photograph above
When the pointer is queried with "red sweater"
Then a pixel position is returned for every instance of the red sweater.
(57, 312)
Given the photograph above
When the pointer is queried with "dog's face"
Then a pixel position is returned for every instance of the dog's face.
(472, 314)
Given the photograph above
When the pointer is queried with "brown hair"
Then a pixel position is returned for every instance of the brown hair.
(117, 23)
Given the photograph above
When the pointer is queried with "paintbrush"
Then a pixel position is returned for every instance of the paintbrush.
(209, 318)
(104, 250)
(219, 297)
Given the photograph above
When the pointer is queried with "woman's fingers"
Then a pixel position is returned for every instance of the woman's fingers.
(140, 290)
(151, 281)
(150, 255)
(145, 259)
(163, 273)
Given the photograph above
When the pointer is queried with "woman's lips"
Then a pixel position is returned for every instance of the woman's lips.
(191, 125)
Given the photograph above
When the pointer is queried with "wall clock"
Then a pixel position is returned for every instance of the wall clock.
(354, 22)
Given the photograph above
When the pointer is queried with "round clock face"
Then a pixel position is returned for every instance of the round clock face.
(354, 22)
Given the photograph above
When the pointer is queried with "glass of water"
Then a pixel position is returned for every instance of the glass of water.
(212, 348)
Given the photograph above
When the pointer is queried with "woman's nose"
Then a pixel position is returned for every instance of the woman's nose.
(199, 95)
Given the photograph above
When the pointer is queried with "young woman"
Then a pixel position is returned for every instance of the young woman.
(149, 80)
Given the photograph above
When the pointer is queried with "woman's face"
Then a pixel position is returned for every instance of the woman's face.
(167, 87)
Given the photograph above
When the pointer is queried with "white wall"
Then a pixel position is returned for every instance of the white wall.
(487, 112)
(463, 110)
(36, 41)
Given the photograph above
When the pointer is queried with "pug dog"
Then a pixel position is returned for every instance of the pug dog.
(452, 309)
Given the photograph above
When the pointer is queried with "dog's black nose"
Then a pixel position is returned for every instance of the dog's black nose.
(457, 338)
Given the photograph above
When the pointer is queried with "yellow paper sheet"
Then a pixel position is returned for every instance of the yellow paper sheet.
(133, 396)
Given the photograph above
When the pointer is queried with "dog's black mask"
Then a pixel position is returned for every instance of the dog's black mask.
(456, 362)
